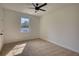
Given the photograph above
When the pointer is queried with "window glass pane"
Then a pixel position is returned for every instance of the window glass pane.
(24, 24)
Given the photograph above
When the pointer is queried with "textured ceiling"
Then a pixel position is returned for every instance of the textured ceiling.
(25, 7)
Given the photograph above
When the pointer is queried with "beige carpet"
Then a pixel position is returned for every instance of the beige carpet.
(35, 47)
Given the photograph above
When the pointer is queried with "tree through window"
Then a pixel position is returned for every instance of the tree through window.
(24, 24)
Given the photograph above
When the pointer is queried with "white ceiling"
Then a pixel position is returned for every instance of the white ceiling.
(25, 7)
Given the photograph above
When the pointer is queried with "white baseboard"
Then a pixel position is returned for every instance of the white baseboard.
(64, 46)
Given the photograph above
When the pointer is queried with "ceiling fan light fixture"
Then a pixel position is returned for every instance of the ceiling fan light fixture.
(38, 7)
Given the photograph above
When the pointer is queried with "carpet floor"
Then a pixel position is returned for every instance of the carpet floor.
(35, 47)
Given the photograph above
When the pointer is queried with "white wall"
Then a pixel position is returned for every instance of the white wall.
(1, 19)
(62, 27)
(12, 26)
(1, 28)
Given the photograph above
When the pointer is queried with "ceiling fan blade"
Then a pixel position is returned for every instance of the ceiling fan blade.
(37, 4)
(42, 5)
(33, 4)
(42, 9)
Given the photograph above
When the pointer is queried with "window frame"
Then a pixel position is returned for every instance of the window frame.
(21, 24)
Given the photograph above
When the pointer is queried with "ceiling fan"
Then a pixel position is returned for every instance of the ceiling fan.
(38, 7)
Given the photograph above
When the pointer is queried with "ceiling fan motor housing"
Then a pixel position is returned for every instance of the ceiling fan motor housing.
(38, 7)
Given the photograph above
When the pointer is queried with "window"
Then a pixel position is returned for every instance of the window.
(24, 24)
